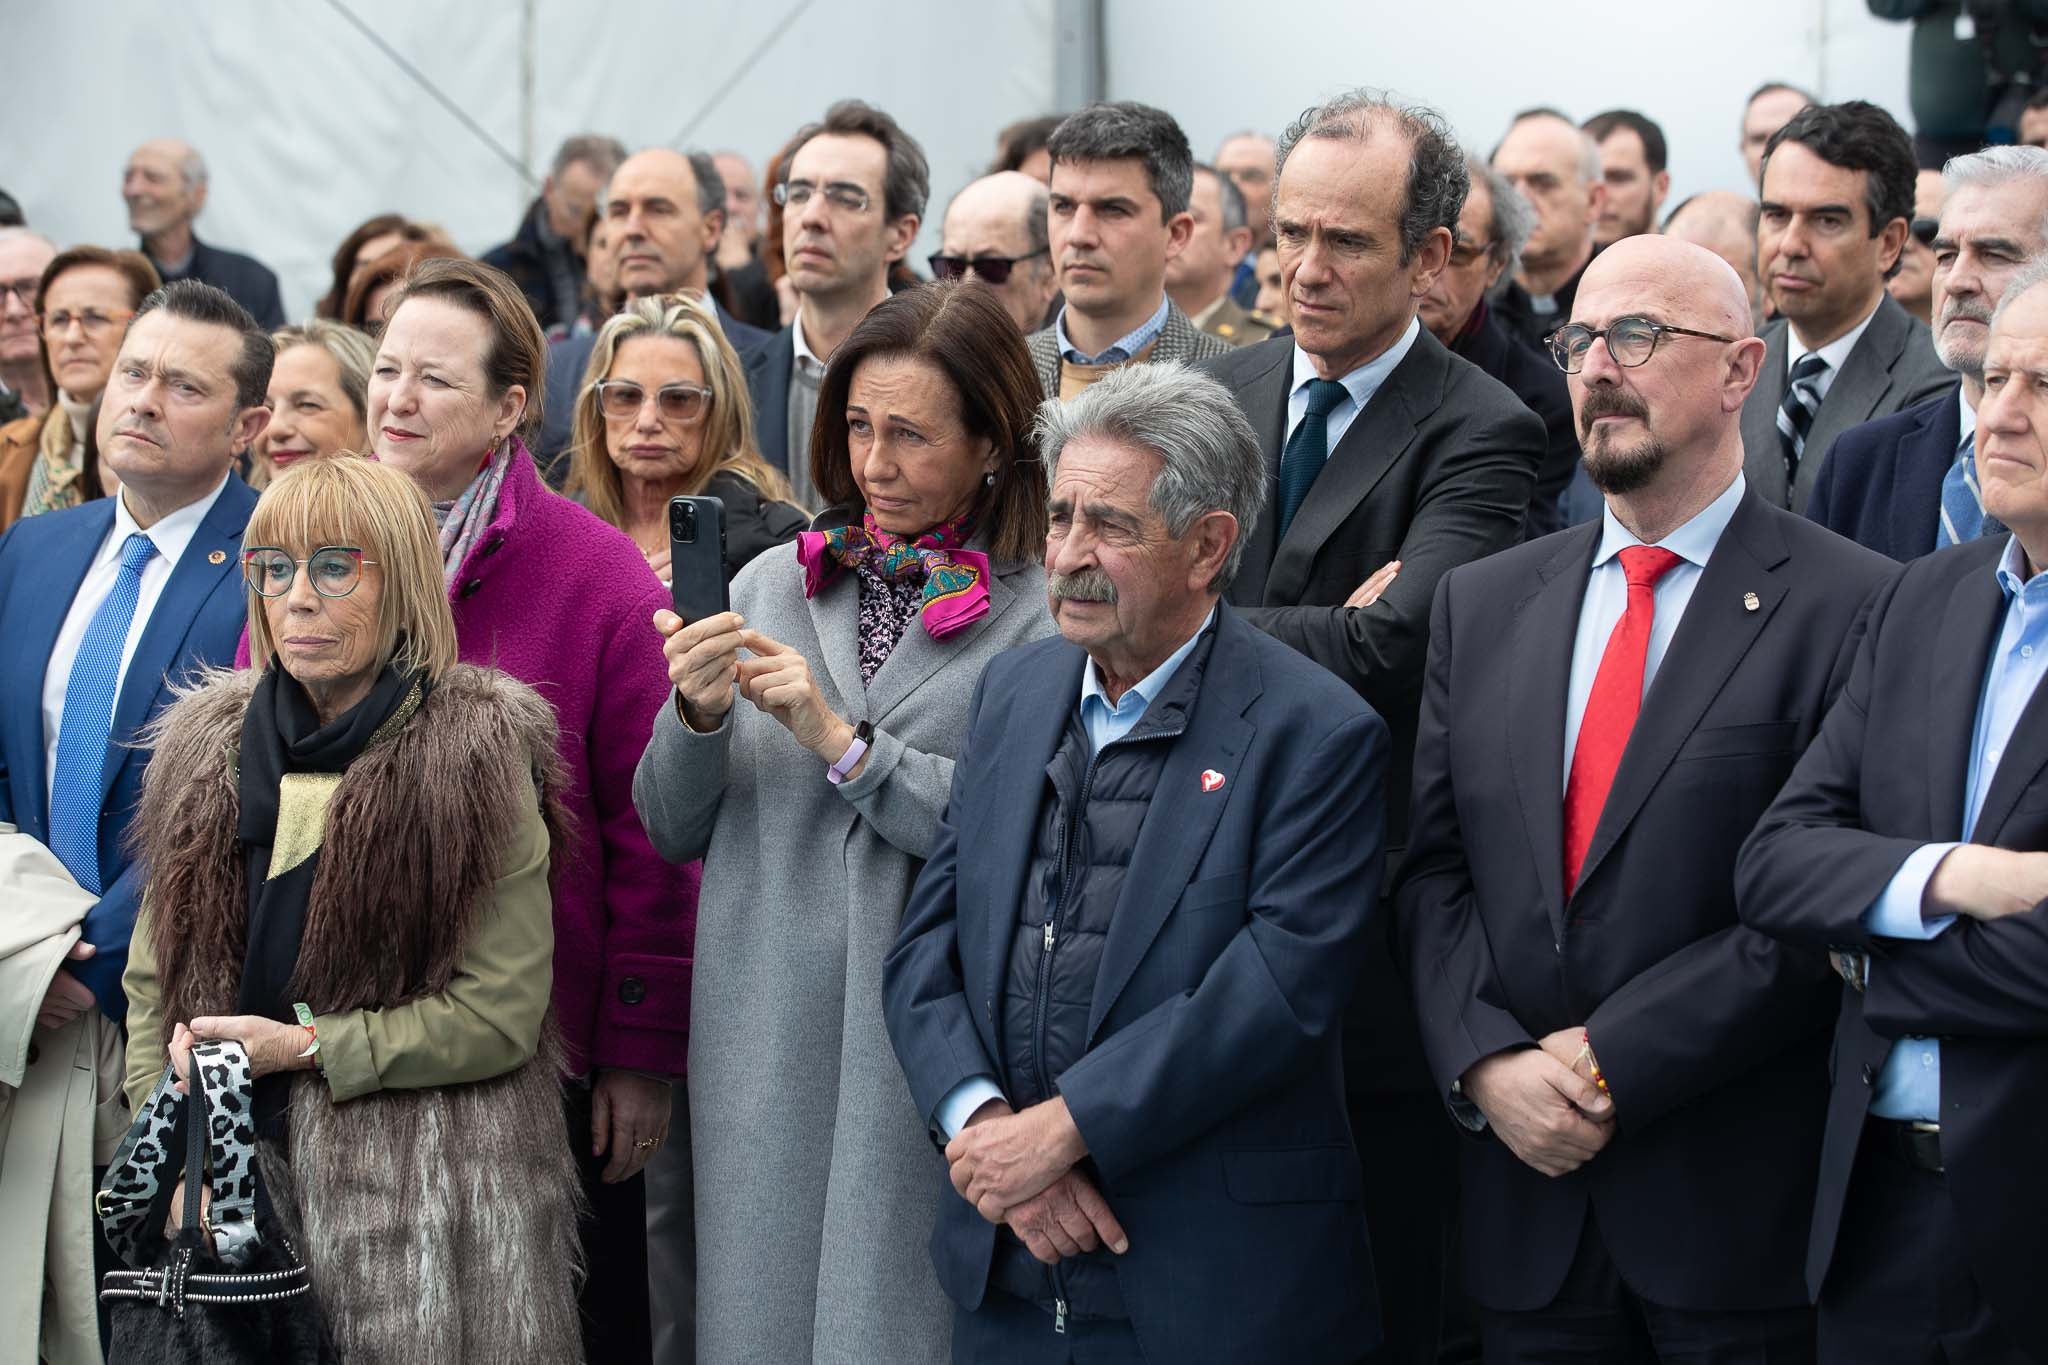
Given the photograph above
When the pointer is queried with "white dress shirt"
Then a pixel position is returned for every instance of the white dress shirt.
(170, 536)
(1836, 352)
(1607, 598)
(1362, 383)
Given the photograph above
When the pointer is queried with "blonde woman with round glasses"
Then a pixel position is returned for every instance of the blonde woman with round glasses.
(663, 412)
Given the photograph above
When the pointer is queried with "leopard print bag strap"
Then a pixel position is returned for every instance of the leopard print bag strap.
(133, 1179)
(222, 1066)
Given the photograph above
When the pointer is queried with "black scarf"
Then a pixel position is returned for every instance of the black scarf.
(281, 734)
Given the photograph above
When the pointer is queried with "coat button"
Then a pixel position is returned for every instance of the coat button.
(1869, 1074)
(632, 991)
(492, 547)
(469, 588)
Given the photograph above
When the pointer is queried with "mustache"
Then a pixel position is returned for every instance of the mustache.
(1089, 585)
(1952, 311)
(1610, 403)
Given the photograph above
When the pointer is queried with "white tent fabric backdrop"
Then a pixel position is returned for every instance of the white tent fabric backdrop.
(308, 127)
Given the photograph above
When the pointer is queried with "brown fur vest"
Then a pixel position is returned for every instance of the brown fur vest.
(440, 1225)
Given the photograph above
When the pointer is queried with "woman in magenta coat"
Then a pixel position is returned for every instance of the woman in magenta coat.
(548, 593)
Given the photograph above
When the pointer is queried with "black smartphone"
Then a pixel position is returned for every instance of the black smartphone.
(696, 557)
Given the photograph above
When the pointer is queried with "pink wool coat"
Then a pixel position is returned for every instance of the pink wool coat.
(565, 603)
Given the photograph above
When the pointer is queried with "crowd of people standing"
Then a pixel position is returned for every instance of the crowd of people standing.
(1357, 751)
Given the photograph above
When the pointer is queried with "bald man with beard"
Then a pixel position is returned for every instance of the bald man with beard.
(1605, 714)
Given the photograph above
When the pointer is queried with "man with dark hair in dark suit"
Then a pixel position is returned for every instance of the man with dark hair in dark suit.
(1384, 447)
(1837, 199)
(1605, 714)
(1909, 844)
(1906, 485)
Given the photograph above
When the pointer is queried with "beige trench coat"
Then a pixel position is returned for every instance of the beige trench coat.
(61, 1111)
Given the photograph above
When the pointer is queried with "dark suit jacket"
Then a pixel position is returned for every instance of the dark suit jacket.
(197, 621)
(748, 297)
(1887, 774)
(1892, 366)
(769, 368)
(1436, 471)
(1533, 377)
(1713, 1037)
(244, 279)
(1179, 340)
(1210, 1093)
(1881, 484)
(567, 359)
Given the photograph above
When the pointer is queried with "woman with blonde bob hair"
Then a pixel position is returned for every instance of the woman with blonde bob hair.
(318, 399)
(349, 852)
(664, 412)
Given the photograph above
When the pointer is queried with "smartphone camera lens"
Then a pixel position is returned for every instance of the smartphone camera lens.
(682, 522)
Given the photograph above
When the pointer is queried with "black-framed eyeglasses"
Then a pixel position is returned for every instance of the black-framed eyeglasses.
(988, 269)
(840, 194)
(25, 290)
(1464, 253)
(333, 570)
(1631, 341)
(622, 400)
(1925, 229)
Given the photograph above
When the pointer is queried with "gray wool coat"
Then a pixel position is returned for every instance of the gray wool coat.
(816, 1182)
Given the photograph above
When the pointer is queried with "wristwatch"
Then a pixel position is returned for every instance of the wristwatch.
(862, 733)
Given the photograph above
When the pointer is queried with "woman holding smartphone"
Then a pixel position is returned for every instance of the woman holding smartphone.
(805, 758)
(664, 412)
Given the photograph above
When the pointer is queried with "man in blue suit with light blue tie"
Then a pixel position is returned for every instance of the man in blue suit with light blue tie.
(1119, 983)
(104, 607)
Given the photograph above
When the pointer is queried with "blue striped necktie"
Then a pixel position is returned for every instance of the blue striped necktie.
(1963, 518)
(88, 723)
(1307, 450)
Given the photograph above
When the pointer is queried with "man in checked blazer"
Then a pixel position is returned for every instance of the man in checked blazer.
(1121, 177)
(1837, 198)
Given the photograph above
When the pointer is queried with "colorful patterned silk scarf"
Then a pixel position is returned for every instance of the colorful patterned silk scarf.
(955, 580)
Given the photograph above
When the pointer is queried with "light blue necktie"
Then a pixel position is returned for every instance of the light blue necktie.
(89, 720)
(1963, 518)
(1307, 449)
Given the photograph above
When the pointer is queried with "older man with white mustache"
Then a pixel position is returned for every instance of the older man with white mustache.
(1906, 485)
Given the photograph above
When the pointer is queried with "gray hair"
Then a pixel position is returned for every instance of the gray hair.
(1035, 229)
(1997, 166)
(1234, 214)
(710, 182)
(1509, 225)
(192, 167)
(2032, 276)
(1437, 181)
(602, 154)
(1209, 455)
(1125, 130)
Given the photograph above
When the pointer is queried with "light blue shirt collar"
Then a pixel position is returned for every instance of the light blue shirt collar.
(1105, 721)
(1123, 349)
(2012, 572)
(1693, 542)
(1363, 382)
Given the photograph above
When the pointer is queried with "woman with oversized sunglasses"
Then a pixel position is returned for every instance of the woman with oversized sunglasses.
(663, 413)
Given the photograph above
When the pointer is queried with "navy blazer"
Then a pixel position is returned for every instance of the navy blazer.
(242, 278)
(1886, 774)
(1211, 1092)
(1714, 1037)
(769, 367)
(1881, 482)
(197, 621)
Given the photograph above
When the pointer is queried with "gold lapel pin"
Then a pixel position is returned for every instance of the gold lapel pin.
(1750, 602)
(217, 557)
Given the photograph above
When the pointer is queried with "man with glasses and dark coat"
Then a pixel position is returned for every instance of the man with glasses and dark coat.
(852, 194)
(995, 232)
(1605, 714)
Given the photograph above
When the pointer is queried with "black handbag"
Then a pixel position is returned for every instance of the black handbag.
(231, 1293)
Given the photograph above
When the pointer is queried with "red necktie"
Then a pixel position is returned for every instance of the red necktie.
(1611, 709)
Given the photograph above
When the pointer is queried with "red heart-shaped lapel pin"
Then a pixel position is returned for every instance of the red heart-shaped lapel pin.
(1211, 780)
